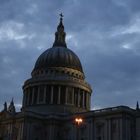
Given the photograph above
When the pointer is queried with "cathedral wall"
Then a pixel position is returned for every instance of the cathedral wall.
(11, 129)
(138, 128)
(33, 130)
(73, 131)
(36, 129)
(115, 127)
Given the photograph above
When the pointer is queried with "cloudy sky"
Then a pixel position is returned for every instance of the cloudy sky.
(105, 34)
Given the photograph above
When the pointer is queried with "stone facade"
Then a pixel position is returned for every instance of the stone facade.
(117, 123)
(56, 104)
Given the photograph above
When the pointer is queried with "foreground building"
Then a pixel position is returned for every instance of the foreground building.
(56, 104)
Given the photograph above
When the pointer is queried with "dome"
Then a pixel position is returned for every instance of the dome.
(58, 57)
(57, 83)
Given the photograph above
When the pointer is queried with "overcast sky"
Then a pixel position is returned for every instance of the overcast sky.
(105, 34)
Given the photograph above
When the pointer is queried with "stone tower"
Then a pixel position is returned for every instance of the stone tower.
(57, 83)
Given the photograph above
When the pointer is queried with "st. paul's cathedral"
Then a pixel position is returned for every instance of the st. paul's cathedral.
(56, 103)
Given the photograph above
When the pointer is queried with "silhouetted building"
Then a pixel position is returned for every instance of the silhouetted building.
(56, 104)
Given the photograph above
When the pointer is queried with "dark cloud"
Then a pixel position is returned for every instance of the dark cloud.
(104, 34)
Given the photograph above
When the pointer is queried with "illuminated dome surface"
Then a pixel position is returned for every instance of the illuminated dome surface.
(58, 57)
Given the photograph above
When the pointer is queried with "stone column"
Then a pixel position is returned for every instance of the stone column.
(83, 99)
(73, 96)
(66, 97)
(33, 91)
(21, 134)
(24, 98)
(44, 101)
(51, 94)
(38, 89)
(28, 96)
(87, 100)
(78, 97)
(121, 129)
(51, 132)
(109, 129)
(11, 130)
(59, 92)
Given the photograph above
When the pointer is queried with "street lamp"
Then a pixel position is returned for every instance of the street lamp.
(78, 122)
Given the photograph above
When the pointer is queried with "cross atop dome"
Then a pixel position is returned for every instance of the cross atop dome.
(61, 16)
(60, 34)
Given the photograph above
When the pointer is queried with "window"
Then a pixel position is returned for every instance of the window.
(69, 95)
(81, 98)
(26, 96)
(100, 131)
(48, 94)
(85, 100)
(41, 94)
(63, 95)
(76, 91)
(35, 95)
(113, 127)
(30, 96)
(55, 94)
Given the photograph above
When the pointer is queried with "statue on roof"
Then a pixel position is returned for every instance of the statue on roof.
(5, 106)
(137, 106)
(11, 107)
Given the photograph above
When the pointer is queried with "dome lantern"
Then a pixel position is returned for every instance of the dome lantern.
(60, 34)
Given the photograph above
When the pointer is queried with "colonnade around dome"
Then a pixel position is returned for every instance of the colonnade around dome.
(56, 94)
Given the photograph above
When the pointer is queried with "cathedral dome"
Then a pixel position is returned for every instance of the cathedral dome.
(57, 83)
(58, 57)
